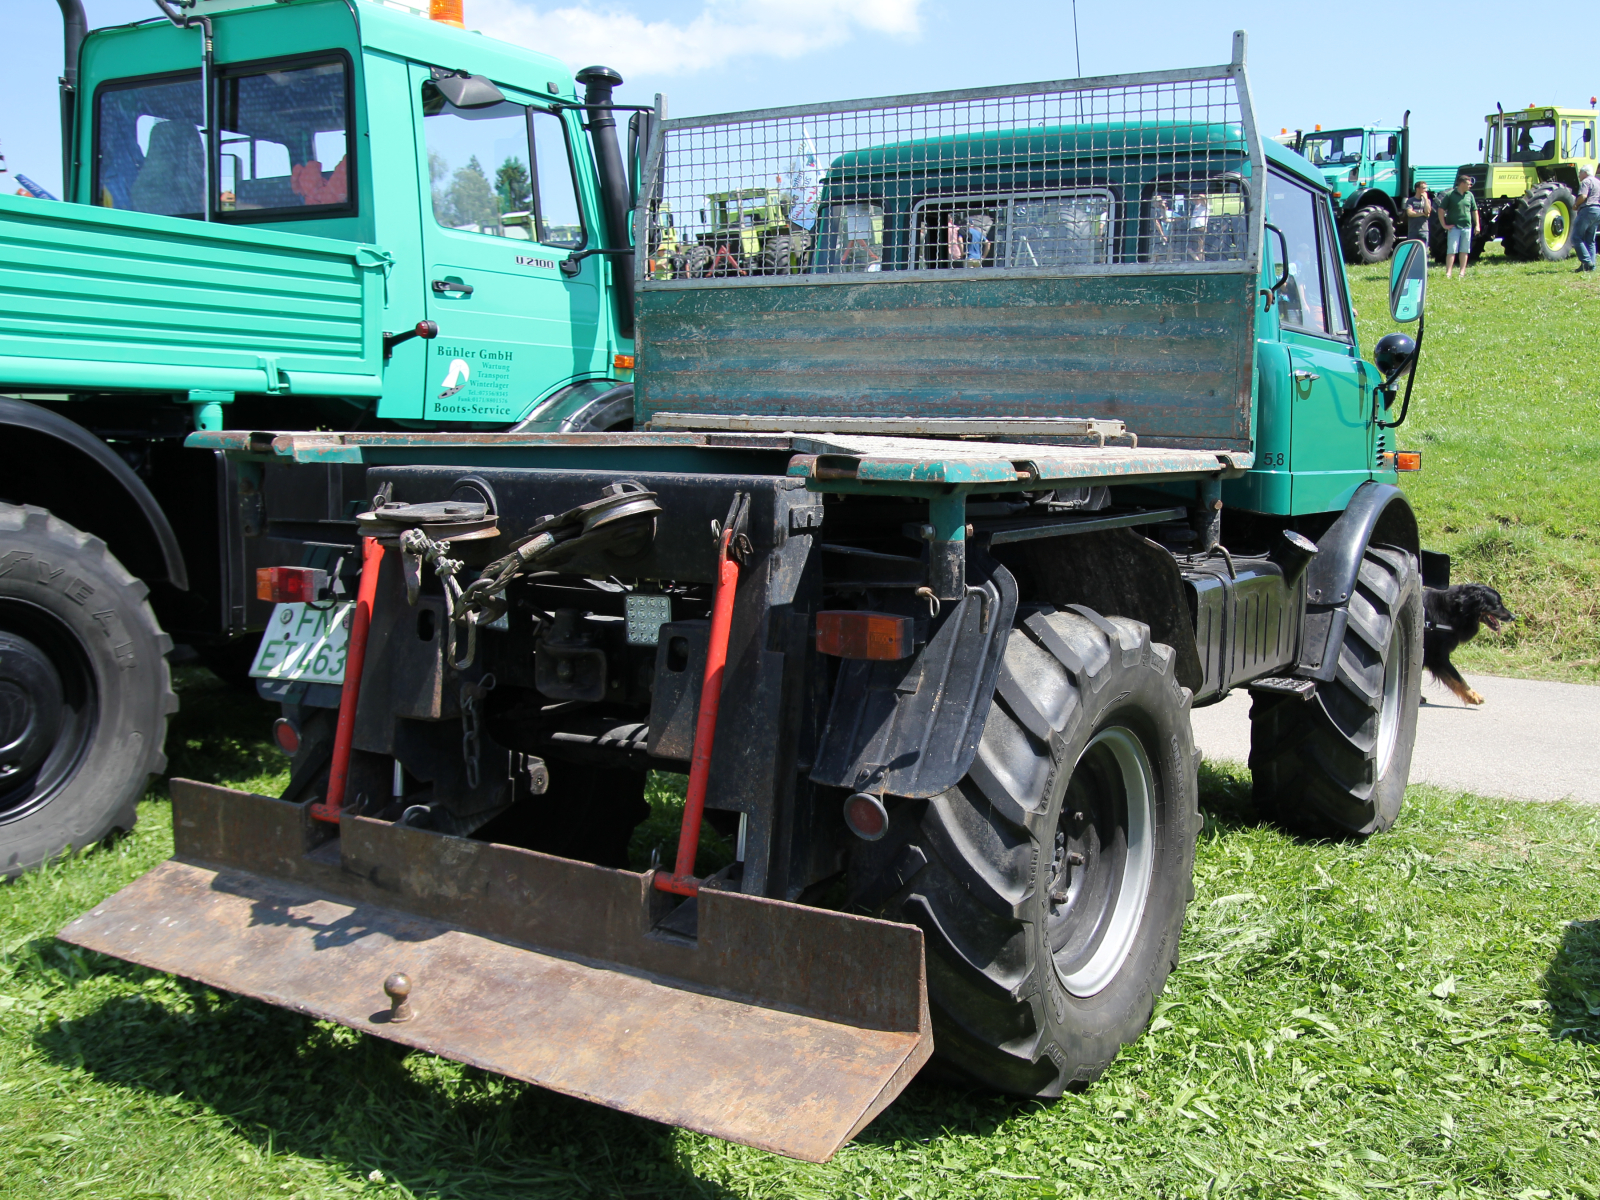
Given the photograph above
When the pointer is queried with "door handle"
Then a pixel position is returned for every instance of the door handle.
(441, 286)
(1307, 376)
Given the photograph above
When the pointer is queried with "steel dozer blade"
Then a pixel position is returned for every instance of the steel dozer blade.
(779, 1026)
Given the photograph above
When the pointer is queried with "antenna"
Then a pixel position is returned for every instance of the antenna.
(1077, 50)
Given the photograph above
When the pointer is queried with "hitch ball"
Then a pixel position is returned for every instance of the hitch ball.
(398, 988)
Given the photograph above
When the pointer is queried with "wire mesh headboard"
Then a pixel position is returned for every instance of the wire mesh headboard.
(1146, 173)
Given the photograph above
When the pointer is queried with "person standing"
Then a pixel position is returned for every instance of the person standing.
(1586, 221)
(1417, 209)
(1458, 213)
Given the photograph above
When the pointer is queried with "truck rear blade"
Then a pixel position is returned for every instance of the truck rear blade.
(779, 1026)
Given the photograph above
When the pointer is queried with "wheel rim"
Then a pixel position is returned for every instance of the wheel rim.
(1555, 224)
(1374, 238)
(1389, 714)
(48, 709)
(1103, 862)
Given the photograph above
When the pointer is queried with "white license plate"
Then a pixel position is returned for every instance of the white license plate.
(305, 642)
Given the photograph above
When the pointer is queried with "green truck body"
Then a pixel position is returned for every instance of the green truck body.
(122, 302)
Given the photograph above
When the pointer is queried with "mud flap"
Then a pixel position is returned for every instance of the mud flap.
(780, 1026)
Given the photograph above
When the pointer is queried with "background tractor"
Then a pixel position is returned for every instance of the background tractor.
(1527, 181)
(750, 234)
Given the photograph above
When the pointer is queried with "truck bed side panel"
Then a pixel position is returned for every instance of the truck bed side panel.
(1167, 354)
(103, 299)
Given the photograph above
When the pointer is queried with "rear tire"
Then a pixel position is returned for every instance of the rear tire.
(1040, 967)
(1368, 236)
(85, 690)
(1543, 223)
(1336, 765)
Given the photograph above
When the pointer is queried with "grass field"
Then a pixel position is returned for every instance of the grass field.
(1506, 412)
(1418, 1017)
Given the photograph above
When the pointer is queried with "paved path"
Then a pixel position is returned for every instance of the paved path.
(1530, 740)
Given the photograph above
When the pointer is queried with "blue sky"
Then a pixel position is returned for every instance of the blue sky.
(1348, 64)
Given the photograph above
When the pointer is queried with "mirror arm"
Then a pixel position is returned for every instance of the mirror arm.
(1411, 379)
(1268, 293)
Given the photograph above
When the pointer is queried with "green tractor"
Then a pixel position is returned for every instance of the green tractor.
(750, 234)
(1526, 183)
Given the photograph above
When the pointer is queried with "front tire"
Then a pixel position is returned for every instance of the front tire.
(1369, 236)
(1336, 765)
(1050, 883)
(85, 690)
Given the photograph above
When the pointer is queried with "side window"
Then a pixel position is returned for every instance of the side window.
(149, 151)
(560, 220)
(283, 140)
(501, 170)
(1332, 273)
(1293, 210)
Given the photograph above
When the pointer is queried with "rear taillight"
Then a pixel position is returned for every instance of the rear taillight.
(866, 816)
(287, 736)
(289, 585)
(853, 634)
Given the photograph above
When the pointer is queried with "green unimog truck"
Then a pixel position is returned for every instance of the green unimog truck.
(915, 562)
(1370, 173)
(308, 215)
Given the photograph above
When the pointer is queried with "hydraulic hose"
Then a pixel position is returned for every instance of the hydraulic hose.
(208, 65)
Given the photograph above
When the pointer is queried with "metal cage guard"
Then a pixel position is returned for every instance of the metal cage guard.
(1141, 173)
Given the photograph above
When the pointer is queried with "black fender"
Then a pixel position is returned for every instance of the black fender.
(911, 727)
(94, 490)
(1377, 513)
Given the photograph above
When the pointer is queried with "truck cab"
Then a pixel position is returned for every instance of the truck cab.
(462, 158)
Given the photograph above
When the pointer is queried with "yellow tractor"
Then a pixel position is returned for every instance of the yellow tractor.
(1526, 183)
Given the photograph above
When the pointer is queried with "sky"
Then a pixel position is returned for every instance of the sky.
(1356, 63)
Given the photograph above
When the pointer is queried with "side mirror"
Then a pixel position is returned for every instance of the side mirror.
(1408, 281)
(466, 91)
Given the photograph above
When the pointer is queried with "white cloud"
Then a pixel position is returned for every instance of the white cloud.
(724, 30)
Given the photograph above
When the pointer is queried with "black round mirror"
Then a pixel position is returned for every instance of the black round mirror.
(1393, 351)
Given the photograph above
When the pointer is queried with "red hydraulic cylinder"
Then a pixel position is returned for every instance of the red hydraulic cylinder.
(682, 880)
(329, 808)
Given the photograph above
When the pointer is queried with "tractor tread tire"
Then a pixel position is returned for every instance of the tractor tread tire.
(971, 866)
(1314, 762)
(1527, 239)
(70, 581)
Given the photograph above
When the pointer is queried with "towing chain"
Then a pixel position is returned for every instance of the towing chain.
(472, 694)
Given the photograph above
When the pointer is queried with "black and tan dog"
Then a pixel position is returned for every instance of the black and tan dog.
(1451, 616)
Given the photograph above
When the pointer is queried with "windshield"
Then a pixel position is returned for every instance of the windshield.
(1529, 141)
(1337, 149)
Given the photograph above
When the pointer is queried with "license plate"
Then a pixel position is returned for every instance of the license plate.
(305, 642)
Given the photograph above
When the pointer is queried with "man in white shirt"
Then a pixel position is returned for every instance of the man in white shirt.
(1587, 219)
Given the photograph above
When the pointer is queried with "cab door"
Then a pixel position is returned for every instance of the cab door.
(500, 212)
(1330, 451)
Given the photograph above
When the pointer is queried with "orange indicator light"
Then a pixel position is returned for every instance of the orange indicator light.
(622, 362)
(855, 634)
(1408, 460)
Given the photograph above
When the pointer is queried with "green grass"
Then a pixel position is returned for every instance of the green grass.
(1506, 412)
(1418, 1016)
